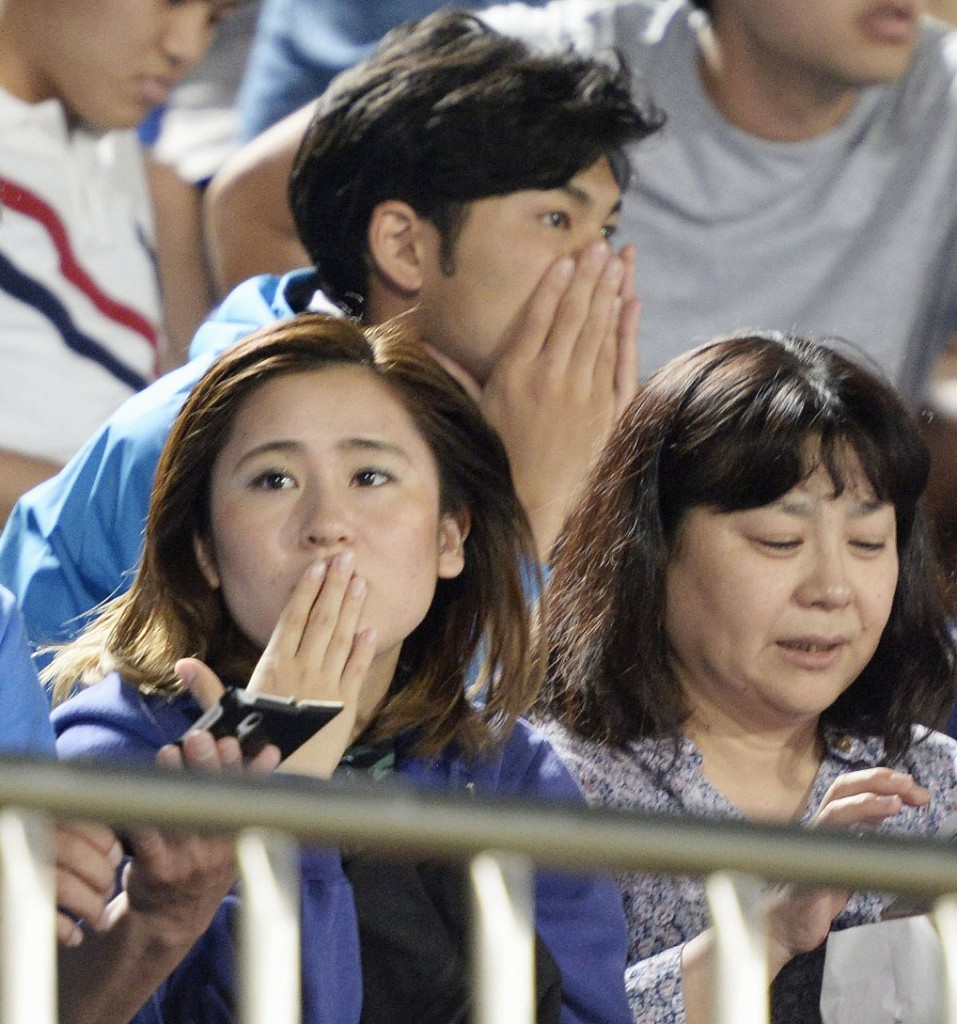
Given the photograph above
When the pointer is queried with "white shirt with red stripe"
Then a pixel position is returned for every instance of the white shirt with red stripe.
(80, 309)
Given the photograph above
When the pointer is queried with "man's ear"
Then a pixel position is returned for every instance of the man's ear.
(395, 241)
(206, 560)
(453, 529)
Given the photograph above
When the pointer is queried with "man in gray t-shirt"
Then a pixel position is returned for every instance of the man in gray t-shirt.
(805, 178)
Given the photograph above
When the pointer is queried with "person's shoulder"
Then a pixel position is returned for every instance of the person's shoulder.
(14, 647)
(932, 757)
(158, 403)
(645, 773)
(24, 708)
(525, 764)
(48, 117)
(252, 304)
(574, 750)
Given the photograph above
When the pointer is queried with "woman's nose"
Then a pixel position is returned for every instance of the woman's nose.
(827, 583)
(326, 523)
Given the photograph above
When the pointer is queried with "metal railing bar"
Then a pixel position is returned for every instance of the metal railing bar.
(27, 920)
(270, 991)
(503, 938)
(405, 821)
(741, 970)
(944, 916)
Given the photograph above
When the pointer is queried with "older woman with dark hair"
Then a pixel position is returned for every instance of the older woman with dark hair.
(747, 622)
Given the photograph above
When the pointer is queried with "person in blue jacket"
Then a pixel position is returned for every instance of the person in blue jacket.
(334, 519)
(111, 952)
(490, 244)
(24, 711)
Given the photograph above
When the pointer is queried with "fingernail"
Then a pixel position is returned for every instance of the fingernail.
(201, 746)
(357, 586)
(317, 570)
(345, 560)
(615, 268)
(115, 856)
(565, 267)
(598, 252)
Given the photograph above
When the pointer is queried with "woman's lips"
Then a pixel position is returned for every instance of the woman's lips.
(812, 652)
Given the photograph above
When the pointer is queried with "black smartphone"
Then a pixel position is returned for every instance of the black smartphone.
(256, 719)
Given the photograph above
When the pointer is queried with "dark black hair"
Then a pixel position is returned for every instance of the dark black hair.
(736, 424)
(445, 111)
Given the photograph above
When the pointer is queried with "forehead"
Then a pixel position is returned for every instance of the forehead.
(819, 487)
(596, 185)
(594, 190)
(325, 405)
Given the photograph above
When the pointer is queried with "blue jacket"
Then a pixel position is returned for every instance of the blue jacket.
(579, 918)
(76, 539)
(24, 715)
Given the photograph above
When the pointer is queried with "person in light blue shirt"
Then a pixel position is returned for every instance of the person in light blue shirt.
(24, 713)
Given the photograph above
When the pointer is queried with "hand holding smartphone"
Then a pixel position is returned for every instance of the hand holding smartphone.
(256, 719)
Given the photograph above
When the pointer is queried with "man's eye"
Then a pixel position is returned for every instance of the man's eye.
(609, 231)
(557, 219)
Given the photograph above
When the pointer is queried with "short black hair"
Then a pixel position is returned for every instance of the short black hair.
(446, 110)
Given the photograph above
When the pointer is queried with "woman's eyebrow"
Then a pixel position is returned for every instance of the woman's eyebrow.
(806, 506)
(373, 444)
(288, 446)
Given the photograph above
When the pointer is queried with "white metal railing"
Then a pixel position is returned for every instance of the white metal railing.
(503, 840)
(27, 920)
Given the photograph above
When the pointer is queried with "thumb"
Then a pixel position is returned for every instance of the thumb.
(201, 681)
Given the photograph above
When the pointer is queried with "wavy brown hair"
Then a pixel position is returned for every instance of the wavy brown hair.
(735, 424)
(171, 611)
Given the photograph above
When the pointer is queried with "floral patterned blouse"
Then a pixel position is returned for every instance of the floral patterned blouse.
(664, 912)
